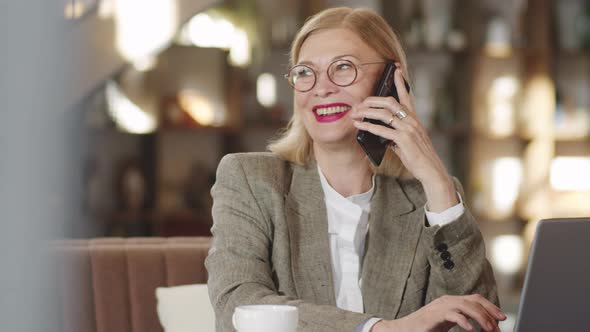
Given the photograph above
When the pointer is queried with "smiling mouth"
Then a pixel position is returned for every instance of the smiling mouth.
(325, 111)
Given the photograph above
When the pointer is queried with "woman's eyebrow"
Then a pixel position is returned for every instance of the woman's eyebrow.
(310, 63)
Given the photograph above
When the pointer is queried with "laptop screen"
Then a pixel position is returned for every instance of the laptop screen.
(556, 293)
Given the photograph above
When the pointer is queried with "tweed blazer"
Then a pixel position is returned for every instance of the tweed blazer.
(271, 246)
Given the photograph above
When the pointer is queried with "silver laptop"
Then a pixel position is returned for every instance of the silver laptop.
(556, 293)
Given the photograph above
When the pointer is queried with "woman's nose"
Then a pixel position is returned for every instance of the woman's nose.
(324, 86)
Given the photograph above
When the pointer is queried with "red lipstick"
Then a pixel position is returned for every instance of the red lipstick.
(331, 117)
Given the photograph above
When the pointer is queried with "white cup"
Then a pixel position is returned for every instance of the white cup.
(265, 318)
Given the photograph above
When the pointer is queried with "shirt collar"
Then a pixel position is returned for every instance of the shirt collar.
(363, 199)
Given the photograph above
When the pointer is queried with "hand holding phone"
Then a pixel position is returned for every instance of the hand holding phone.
(374, 145)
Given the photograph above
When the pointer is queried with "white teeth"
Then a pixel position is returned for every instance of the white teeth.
(331, 110)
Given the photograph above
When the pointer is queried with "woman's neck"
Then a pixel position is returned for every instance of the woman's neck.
(346, 170)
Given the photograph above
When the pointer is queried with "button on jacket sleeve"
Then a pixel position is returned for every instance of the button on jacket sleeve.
(455, 257)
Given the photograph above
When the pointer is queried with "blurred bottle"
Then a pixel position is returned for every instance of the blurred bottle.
(437, 22)
(445, 114)
(573, 24)
(414, 36)
(584, 26)
(456, 40)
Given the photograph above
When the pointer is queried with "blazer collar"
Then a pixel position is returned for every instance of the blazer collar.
(395, 225)
(393, 229)
(306, 218)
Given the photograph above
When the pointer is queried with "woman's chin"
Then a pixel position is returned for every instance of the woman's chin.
(340, 141)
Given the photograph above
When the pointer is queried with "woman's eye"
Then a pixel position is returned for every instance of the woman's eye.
(303, 72)
(343, 66)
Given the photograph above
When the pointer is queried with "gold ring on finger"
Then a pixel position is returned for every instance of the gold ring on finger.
(390, 122)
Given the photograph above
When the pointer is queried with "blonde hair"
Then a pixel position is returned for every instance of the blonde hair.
(294, 143)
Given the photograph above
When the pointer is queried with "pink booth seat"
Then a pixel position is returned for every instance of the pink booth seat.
(108, 284)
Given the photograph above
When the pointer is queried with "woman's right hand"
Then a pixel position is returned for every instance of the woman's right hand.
(446, 312)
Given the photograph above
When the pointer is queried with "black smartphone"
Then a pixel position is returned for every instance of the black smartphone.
(373, 145)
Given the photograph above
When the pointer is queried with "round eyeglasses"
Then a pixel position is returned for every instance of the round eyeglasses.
(340, 72)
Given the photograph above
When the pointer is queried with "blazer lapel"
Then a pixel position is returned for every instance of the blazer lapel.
(307, 221)
(395, 224)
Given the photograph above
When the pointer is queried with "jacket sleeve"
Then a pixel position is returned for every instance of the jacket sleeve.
(457, 258)
(239, 262)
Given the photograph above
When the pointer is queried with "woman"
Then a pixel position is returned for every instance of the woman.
(315, 225)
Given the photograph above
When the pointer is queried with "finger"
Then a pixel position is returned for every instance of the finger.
(405, 147)
(382, 115)
(402, 92)
(378, 130)
(388, 103)
(384, 102)
(391, 105)
(459, 319)
(475, 311)
(372, 113)
(491, 318)
(491, 308)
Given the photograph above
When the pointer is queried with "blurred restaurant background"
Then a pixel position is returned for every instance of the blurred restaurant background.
(154, 93)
